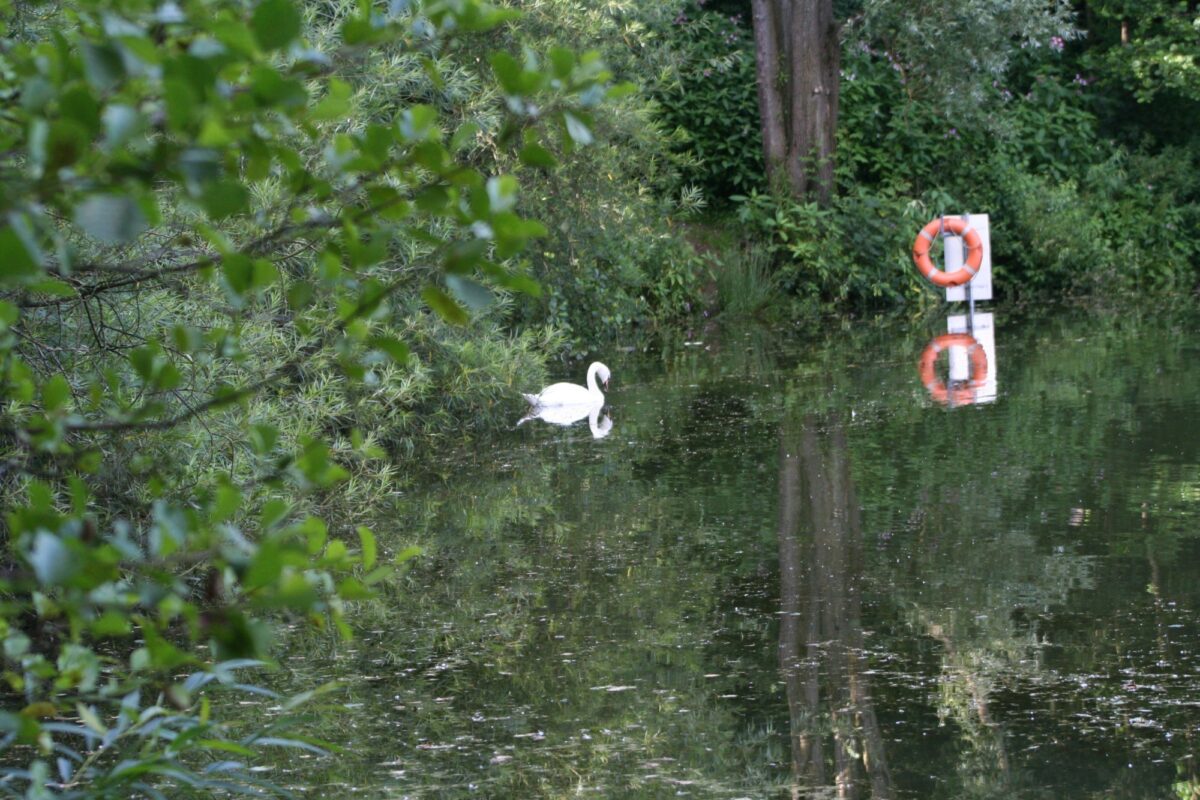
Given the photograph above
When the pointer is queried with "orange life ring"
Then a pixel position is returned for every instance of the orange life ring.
(956, 226)
(960, 395)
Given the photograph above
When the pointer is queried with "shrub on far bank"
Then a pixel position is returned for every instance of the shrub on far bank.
(1072, 214)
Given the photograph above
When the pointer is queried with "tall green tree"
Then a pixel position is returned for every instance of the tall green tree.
(1148, 47)
(953, 51)
(797, 55)
(197, 222)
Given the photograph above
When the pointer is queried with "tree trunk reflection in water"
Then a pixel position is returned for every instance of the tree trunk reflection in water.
(820, 634)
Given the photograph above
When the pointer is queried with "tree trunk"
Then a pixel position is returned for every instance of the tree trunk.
(821, 648)
(798, 56)
(768, 26)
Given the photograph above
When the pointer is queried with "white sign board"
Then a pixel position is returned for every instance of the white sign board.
(982, 328)
(981, 285)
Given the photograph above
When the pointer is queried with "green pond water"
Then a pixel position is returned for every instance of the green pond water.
(789, 571)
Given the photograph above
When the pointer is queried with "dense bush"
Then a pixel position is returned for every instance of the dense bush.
(708, 95)
(232, 237)
(1030, 128)
(1072, 212)
(843, 254)
(614, 258)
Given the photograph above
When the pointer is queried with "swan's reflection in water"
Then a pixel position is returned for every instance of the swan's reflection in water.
(600, 426)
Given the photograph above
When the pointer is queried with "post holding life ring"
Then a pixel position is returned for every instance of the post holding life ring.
(944, 225)
(959, 395)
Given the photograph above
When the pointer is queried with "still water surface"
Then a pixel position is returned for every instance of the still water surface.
(787, 571)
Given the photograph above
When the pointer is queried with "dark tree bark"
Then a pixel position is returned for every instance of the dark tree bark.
(798, 55)
(821, 650)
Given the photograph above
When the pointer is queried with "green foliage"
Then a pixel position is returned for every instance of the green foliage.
(951, 54)
(1115, 228)
(1151, 48)
(665, 541)
(711, 99)
(745, 284)
(1071, 213)
(843, 254)
(613, 260)
(218, 227)
(605, 281)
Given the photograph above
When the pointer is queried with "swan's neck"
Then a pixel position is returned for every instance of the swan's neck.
(591, 379)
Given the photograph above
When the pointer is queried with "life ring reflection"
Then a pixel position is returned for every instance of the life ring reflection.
(958, 393)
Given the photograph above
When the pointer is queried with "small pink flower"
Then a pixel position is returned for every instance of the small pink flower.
(1056, 44)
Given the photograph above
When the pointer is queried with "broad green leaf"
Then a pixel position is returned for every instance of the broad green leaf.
(224, 198)
(367, 541)
(353, 589)
(51, 560)
(236, 35)
(378, 575)
(408, 553)
(226, 503)
(36, 94)
(145, 362)
(535, 155)
(103, 64)
(444, 305)
(111, 218)
(275, 23)
(335, 105)
(523, 284)
(199, 166)
(271, 88)
(562, 61)
(619, 90)
(264, 274)
(418, 122)
(89, 717)
(462, 257)
(52, 286)
(182, 103)
(315, 534)
(273, 511)
(265, 566)
(508, 71)
(300, 295)
(358, 30)
(335, 551)
(502, 193)
(77, 666)
(238, 271)
(471, 294)
(9, 314)
(16, 644)
(464, 136)
(55, 393)
(395, 349)
(577, 129)
(19, 262)
(214, 134)
(80, 104)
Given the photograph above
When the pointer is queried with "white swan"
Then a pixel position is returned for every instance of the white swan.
(567, 415)
(572, 394)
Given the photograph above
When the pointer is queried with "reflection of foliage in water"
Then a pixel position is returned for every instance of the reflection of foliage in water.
(547, 643)
(603, 615)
